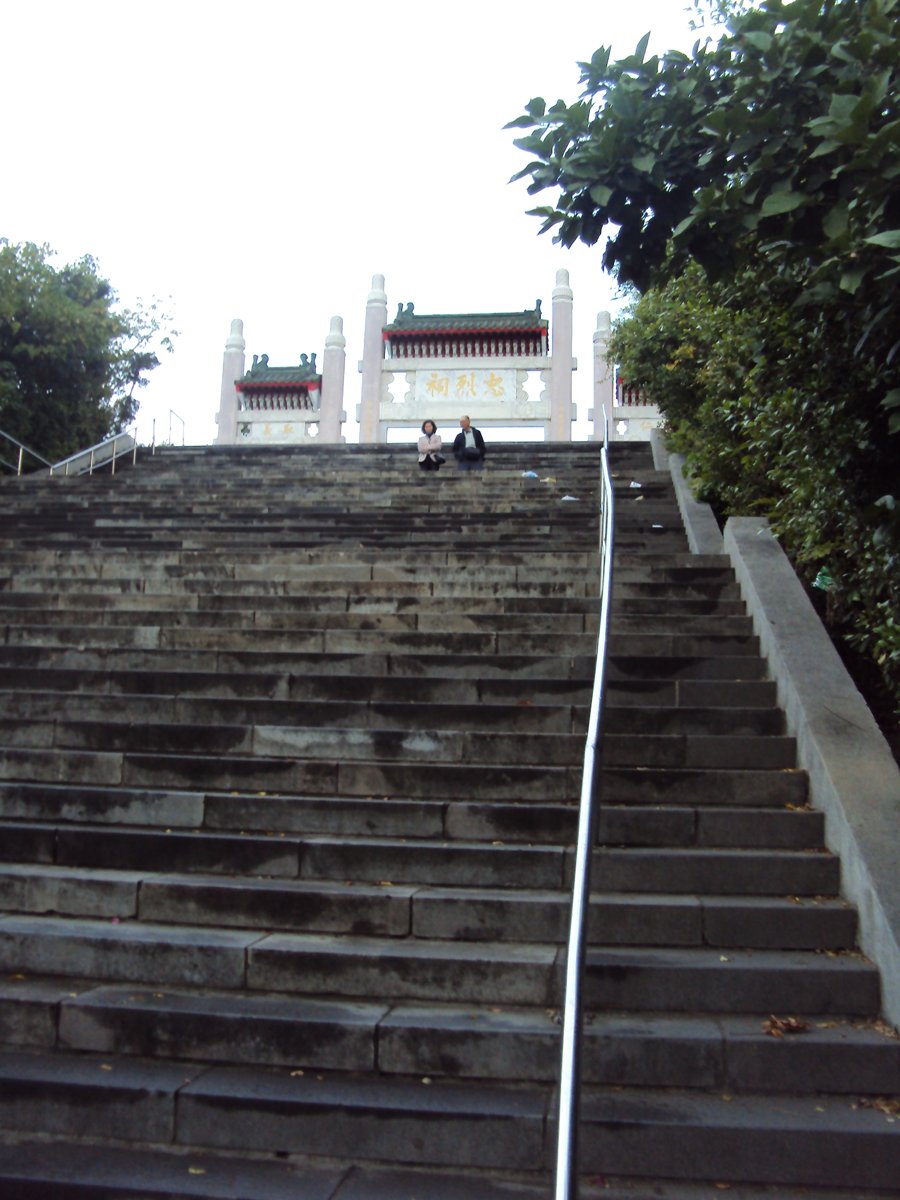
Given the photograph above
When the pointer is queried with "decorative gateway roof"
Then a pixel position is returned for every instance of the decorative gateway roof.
(263, 378)
(408, 323)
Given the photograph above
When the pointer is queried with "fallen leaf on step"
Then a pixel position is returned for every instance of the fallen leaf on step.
(196, 1171)
(426, 1079)
(105, 1067)
(779, 1026)
(890, 1105)
(18, 976)
(724, 958)
(385, 883)
(524, 703)
(295, 1074)
(727, 1098)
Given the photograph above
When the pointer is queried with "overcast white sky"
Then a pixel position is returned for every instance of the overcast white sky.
(263, 160)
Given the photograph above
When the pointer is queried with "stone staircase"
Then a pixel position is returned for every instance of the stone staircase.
(290, 748)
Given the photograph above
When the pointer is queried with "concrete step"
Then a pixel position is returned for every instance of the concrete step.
(34, 709)
(719, 786)
(699, 751)
(70, 1170)
(815, 1140)
(669, 720)
(342, 743)
(352, 966)
(633, 978)
(689, 980)
(343, 641)
(482, 907)
(723, 872)
(289, 775)
(299, 663)
(67, 1170)
(322, 688)
(276, 1111)
(738, 1053)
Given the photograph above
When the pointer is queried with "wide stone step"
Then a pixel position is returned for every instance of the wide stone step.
(699, 980)
(478, 911)
(256, 903)
(625, 644)
(217, 622)
(726, 872)
(413, 599)
(670, 826)
(625, 666)
(628, 719)
(202, 588)
(343, 641)
(350, 742)
(287, 774)
(270, 1110)
(737, 981)
(322, 688)
(687, 693)
(25, 715)
(72, 1170)
(699, 751)
(738, 1053)
(354, 966)
(718, 786)
(638, 919)
(812, 1140)
(297, 664)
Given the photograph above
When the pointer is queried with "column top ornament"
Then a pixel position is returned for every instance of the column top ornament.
(235, 340)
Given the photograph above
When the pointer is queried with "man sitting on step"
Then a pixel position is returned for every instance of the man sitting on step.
(468, 446)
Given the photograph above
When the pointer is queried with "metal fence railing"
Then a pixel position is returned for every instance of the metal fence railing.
(22, 449)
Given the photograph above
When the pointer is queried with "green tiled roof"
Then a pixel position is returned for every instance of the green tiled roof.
(261, 375)
(408, 321)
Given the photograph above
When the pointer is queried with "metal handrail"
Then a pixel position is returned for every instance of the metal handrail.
(566, 1173)
(91, 453)
(23, 450)
(173, 413)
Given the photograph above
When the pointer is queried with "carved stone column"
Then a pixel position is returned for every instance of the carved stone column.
(561, 361)
(603, 379)
(373, 355)
(331, 406)
(232, 370)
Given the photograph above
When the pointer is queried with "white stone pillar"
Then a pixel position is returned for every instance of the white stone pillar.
(373, 356)
(561, 365)
(232, 371)
(603, 379)
(331, 404)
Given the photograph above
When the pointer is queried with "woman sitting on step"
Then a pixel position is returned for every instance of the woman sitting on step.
(430, 457)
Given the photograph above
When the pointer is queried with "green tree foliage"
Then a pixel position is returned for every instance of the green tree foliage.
(71, 360)
(751, 192)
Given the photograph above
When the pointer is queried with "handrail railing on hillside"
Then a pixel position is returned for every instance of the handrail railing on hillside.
(23, 450)
(566, 1174)
(98, 455)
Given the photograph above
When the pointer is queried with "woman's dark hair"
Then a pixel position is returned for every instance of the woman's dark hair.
(428, 421)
